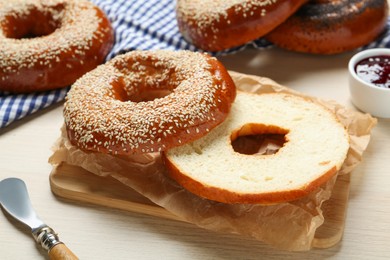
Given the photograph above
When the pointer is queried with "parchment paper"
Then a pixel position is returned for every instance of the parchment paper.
(288, 226)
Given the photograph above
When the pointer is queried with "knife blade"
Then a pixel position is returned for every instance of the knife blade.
(15, 200)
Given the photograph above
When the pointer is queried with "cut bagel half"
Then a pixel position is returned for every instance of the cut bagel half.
(314, 147)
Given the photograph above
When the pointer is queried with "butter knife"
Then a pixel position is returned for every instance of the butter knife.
(15, 201)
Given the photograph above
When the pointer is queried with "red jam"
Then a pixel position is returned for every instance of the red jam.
(375, 70)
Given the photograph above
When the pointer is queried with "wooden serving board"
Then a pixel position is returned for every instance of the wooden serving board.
(75, 183)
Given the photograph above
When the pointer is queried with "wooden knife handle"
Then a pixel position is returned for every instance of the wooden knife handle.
(61, 252)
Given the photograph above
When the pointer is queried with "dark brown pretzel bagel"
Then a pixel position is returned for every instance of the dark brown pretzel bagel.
(329, 26)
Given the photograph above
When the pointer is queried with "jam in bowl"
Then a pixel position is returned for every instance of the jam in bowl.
(375, 70)
(369, 83)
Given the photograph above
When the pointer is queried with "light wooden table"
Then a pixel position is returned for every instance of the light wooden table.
(94, 232)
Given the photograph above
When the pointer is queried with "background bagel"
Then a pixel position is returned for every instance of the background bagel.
(218, 25)
(49, 44)
(329, 26)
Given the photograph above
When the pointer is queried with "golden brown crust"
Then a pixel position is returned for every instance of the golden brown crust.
(226, 196)
(76, 38)
(219, 25)
(104, 112)
(328, 26)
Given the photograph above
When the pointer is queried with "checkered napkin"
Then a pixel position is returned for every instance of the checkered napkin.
(138, 24)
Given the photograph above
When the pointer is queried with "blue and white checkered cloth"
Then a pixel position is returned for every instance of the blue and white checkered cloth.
(138, 24)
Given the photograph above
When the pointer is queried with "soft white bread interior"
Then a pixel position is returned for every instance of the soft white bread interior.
(315, 148)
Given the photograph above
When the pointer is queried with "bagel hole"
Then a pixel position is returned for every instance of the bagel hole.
(253, 139)
(148, 95)
(143, 79)
(124, 93)
(142, 96)
(37, 23)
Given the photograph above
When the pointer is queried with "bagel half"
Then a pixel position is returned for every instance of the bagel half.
(316, 145)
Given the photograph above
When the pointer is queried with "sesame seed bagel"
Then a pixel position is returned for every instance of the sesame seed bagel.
(48, 44)
(218, 25)
(316, 145)
(148, 101)
(332, 26)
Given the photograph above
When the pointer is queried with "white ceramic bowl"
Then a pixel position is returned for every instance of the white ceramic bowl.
(366, 96)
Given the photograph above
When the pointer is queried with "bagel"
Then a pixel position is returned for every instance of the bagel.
(148, 101)
(219, 25)
(49, 44)
(316, 145)
(331, 26)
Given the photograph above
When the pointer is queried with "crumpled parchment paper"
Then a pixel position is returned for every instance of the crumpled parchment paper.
(288, 226)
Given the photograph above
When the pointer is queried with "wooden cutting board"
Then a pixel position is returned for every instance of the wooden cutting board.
(75, 183)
